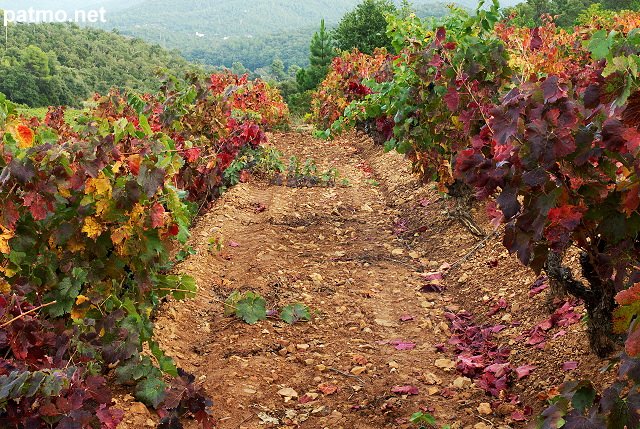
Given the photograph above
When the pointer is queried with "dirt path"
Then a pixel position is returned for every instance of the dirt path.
(356, 256)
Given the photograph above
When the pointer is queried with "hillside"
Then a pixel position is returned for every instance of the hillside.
(229, 31)
(63, 64)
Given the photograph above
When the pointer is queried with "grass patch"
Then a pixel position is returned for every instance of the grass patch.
(70, 114)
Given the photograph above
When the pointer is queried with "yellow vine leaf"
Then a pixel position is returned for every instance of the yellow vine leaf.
(5, 236)
(75, 246)
(77, 313)
(80, 299)
(5, 287)
(101, 185)
(25, 136)
(102, 206)
(119, 238)
(92, 227)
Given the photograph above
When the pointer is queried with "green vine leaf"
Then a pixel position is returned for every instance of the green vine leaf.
(252, 308)
(231, 304)
(292, 313)
(151, 391)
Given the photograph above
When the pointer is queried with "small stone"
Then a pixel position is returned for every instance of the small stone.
(150, 423)
(432, 390)
(446, 364)
(356, 388)
(335, 415)
(321, 367)
(287, 391)
(461, 382)
(308, 361)
(484, 408)
(463, 278)
(366, 208)
(139, 408)
(385, 323)
(481, 426)
(393, 364)
(397, 252)
(414, 254)
(505, 409)
(321, 411)
(431, 378)
(302, 346)
(357, 370)
(250, 391)
(316, 278)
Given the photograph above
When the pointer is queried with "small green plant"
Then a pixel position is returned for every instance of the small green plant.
(292, 313)
(371, 182)
(420, 418)
(252, 307)
(214, 245)
(262, 160)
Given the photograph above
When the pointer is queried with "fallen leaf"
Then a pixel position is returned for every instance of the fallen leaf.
(403, 345)
(407, 318)
(524, 370)
(327, 389)
(521, 415)
(500, 305)
(233, 244)
(448, 392)
(359, 359)
(440, 347)
(431, 287)
(406, 390)
(569, 365)
(305, 398)
(266, 418)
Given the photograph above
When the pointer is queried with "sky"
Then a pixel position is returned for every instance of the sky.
(119, 4)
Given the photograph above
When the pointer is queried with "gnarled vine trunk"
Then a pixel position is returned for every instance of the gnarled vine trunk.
(598, 299)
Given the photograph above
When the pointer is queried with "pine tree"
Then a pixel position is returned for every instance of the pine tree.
(322, 52)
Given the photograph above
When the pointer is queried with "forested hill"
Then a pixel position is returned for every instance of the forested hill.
(253, 33)
(63, 64)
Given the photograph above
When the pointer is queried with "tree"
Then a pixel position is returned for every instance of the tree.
(365, 27)
(36, 61)
(322, 52)
(276, 71)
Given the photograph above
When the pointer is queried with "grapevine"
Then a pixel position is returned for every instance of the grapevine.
(542, 124)
(90, 212)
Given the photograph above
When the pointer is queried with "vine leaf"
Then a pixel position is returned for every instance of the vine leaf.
(292, 313)
(151, 391)
(252, 308)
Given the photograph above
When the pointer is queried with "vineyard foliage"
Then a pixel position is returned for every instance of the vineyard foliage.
(91, 211)
(541, 123)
